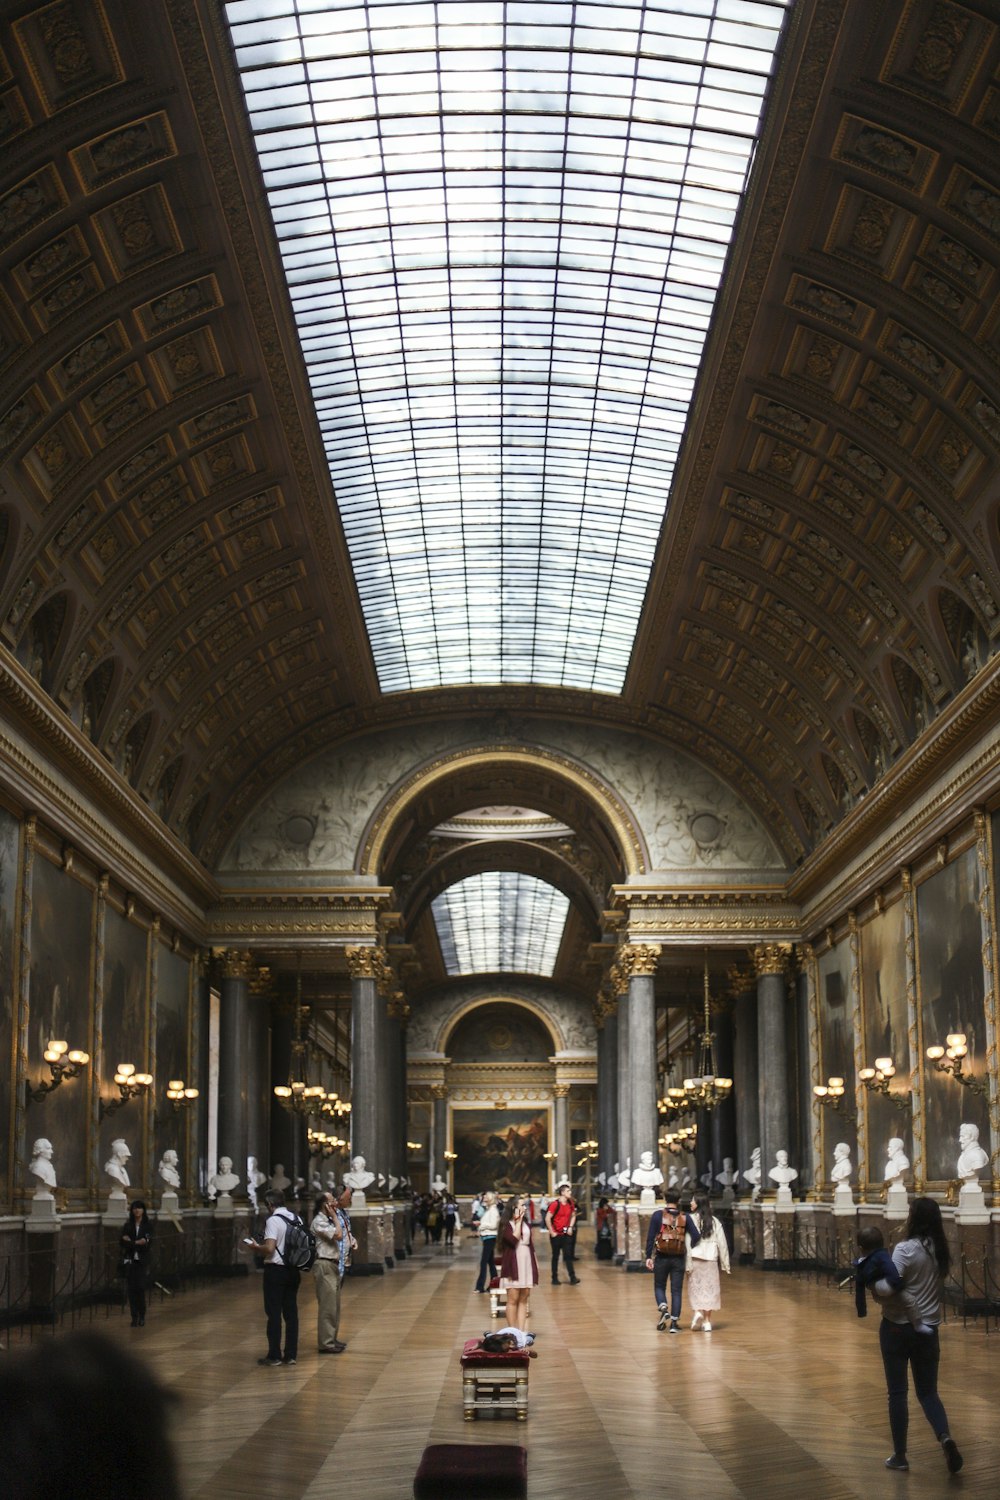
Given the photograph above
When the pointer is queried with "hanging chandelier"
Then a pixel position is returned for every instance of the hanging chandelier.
(299, 1096)
(706, 1089)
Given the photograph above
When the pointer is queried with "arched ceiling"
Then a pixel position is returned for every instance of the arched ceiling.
(173, 573)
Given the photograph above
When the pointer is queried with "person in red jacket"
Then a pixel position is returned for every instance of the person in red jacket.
(560, 1221)
(518, 1266)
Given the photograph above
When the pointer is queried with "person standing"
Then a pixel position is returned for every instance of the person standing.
(923, 1259)
(450, 1220)
(702, 1264)
(666, 1256)
(489, 1224)
(327, 1276)
(518, 1266)
(281, 1283)
(560, 1221)
(137, 1238)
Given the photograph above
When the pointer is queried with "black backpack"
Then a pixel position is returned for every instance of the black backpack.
(299, 1249)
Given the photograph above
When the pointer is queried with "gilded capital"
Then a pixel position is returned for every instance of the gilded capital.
(561, 1091)
(236, 963)
(771, 958)
(397, 1007)
(368, 962)
(439, 1091)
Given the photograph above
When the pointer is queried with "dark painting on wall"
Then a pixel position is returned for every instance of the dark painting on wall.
(172, 1058)
(9, 840)
(59, 1009)
(123, 1033)
(500, 1149)
(951, 988)
(886, 1033)
(836, 1038)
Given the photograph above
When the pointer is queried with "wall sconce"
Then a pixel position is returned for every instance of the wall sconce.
(450, 1155)
(547, 1155)
(956, 1052)
(831, 1094)
(876, 1081)
(179, 1096)
(54, 1054)
(131, 1085)
(588, 1152)
(414, 1146)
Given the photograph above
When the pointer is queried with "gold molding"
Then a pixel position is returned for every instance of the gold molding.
(771, 958)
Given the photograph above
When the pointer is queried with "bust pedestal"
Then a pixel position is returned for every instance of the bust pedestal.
(224, 1208)
(170, 1204)
(43, 1218)
(843, 1200)
(972, 1204)
(647, 1200)
(784, 1203)
(897, 1203)
(117, 1209)
(368, 1228)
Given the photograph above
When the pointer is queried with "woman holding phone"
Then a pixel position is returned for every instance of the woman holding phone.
(518, 1267)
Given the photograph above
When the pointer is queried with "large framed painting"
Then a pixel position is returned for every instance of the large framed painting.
(885, 1027)
(9, 853)
(502, 1149)
(123, 1028)
(836, 1040)
(173, 1060)
(952, 988)
(59, 1009)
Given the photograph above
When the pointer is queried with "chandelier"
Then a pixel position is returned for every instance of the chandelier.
(299, 1096)
(706, 1089)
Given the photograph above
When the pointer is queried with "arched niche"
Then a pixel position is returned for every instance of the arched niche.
(499, 1032)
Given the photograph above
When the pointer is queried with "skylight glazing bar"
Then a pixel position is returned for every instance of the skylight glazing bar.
(503, 227)
(500, 922)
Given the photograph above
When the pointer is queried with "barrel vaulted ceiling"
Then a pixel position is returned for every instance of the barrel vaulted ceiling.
(174, 575)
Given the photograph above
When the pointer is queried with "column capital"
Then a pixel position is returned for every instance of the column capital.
(368, 962)
(235, 963)
(771, 958)
(560, 1090)
(439, 1091)
(631, 961)
(397, 1007)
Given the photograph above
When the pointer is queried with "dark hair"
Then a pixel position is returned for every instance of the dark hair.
(509, 1209)
(498, 1343)
(274, 1198)
(871, 1238)
(81, 1415)
(925, 1224)
(319, 1207)
(671, 1195)
(704, 1206)
(603, 1203)
(144, 1221)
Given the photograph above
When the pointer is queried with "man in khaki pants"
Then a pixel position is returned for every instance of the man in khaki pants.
(328, 1272)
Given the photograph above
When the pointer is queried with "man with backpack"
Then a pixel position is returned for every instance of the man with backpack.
(666, 1256)
(286, 1247)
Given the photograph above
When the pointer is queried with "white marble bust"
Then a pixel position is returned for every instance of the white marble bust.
(41, 1168)
(255, 1179)
(972, 1158)
(673, 1176)
(358, 1178)
(752, 1173)
(437, 1186)
(647, 1173)
(898, 1161)
(781, 1172)
(169, 1171)
(115, 1166)
(842, 1165)
(224, 1179)
(727, 1176)
(280, 1178)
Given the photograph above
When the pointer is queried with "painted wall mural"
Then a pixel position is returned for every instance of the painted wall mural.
(836, 1030)
(500, 1149)
(172, 1053)
(883, 995)
(123, 1032)
(9, 847)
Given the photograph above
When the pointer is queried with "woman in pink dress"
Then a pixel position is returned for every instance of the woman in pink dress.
(518, 1267)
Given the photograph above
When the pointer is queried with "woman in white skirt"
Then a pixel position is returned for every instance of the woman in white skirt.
(702, 1265)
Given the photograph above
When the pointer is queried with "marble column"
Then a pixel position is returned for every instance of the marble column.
(722, 1120)
(607, 1089)
(641, 1085)
(366, 966)
(197, 1170)
(746, 1078)
(773, 1022)
(259, 1095)
(439, 1133)
(561, 1095)
(397, 1015)
(624, 1152)
(235, 1066)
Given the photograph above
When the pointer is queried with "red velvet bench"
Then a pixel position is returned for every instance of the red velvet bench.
(494, 1382)
(466, 1471)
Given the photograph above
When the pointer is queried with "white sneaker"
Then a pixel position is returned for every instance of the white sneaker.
(706, 1327)
(696, 1321)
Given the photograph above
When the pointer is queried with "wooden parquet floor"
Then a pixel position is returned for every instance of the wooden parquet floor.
(784, 1399)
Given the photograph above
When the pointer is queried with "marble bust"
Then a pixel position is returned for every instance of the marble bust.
(116, 1169)
(898, 1161)
(842, 1164)
(972, 1158)
(358, 1178)
(41, 1168)
(437, 1186)
(673, 1176)
(225, 1179)
(727, 1176)
(647, 1173)
(255, 1179)
(169, 1171)
(752, 1173)
(781, 1172)
(279, 1178)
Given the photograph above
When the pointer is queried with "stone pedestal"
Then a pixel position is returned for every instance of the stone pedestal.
(897, 1204)
(621, 1231)
(635, 1242)
(843, 1200)
(972, 1205)
(224, 1207)
(43, 1218)
(170, 1204)
(784, 1203)
(389, 1234)
(117, 1210)
(367, 1225)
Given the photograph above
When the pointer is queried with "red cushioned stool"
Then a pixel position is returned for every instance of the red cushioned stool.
(466, 1471)
(494, 1382)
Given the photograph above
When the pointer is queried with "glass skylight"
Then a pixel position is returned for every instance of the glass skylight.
(503, 227)
(500, 921)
